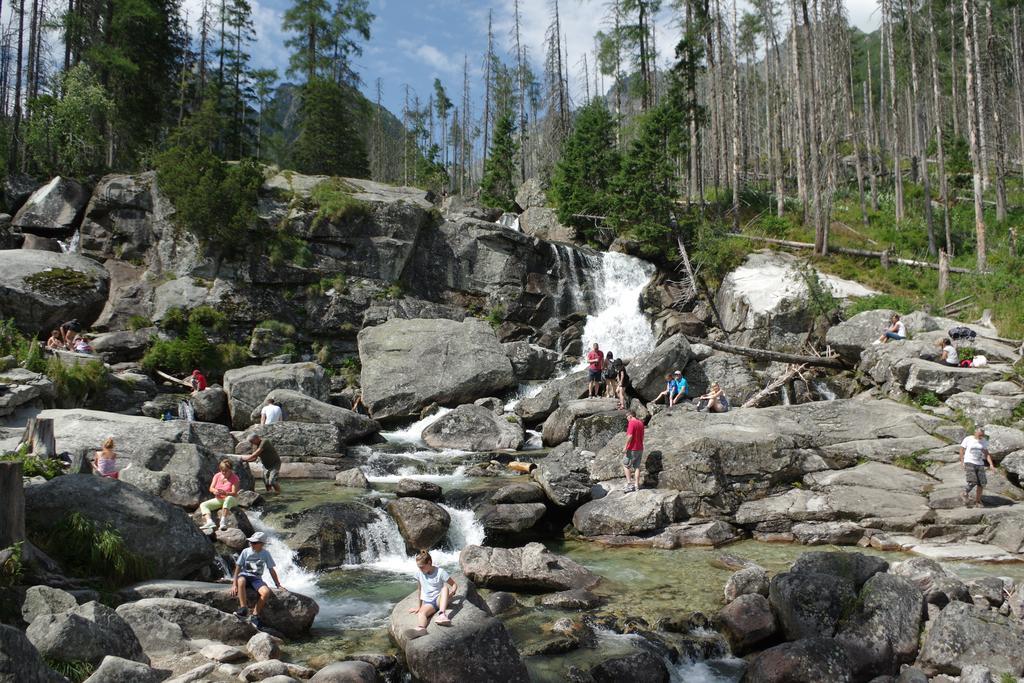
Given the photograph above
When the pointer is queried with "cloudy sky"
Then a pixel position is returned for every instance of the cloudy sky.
(415, 41)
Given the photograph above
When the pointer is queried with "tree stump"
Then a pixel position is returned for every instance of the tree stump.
(943, 272)
(39, 435)
(12, 505)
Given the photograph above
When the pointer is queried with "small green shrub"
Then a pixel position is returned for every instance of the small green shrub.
(139, 322)
(278, 327)
(879, 301)
(966, 352)
(496, 316)
(32, 466)
(231, 356)
(323, 354)
(335, 203)
(284, 249)
(88, 549)
(208, 318)
(1007, 678)
(911, 462)
(350, 369)
(194, 350)
(60, 281)
(76, 672)
(927, 398)
(27, 353)
(12, 568)
(174, 320)
(74, 384)
(394, 291)
(774, 226)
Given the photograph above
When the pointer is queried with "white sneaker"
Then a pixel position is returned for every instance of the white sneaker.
(877, 341)
(209, 526)
(223, 526)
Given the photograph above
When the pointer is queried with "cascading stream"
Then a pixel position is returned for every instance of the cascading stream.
(619, 325)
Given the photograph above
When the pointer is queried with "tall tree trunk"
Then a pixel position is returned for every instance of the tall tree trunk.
(857, 151)
(521, 80)
(814, 149)
(1018, 77)
(922, 152)
(953, 69)
(801, 127)
(30, 66)
(735, 122)
(488, 76)
(872, 136)
(897, 162)
(971, 91)
(939, 143)
(16, 125)
(979, 95)
(997, 119)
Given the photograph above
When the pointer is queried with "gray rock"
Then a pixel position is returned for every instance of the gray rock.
(296, 439)
(17, 188)
(346, 672)
(965, 634)
(219, 652)
(809, 604)
(408, 364)
(476, 647)
(210, 404)
(194, 619)
(1001, 389)
(300, 407)
(850, 337)
(536, 409)
(531, 362)
(20, 662)
(23, 388)
(732, 373)
(937, 585)
(86, 633)
(530, 568)
(531, 193)
(565, 476)
(647, 372)
(328, 535)
(416, 488)
(641, 666)
(750, 580)
(423, 524)
(519, 492)
(475, 428)
(117, 670)
(262, 671)
(883, 633)
(987, 588)
(248, 387)
(632, 513)
(122, 346)
(39, 290)
(510, 518)
(854, 567)
(1003, 441)
(500, 602)
(945, 380)
(912, 675)
(747, 621)
(290, 613)
(558, 427)
(805, 661)
(138, 516)
(542, 222)
(43, 600)
(54, 208)
(595, 431)
(827, 533)
(974, 673)
(262, 647)
(353, 478)
(195, 674)
(985, 408)
(574, 599)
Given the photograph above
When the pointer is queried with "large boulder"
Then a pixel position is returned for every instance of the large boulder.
(138, 516)
(531, 193)
(810, 604)
(39, 290)
(296, 439)
(86, 633)
(290, 613)
(966, 634)
(593, 433)
(20, 662)
(122, 346)
(884, 631)
(330, 534)
(475, 428)
(985, 408)
(476, 647)
(747, 621)
(409, 364)
(423, 524)
(558, 427)
(731, 372)
(626, 514)
(44, 600)
(564, 474)
(812, 660)
(248, 387)
(639, 666)
(23, 387)
(510, 518)
(119, 670)
(194, 619)
(850, 337)
(301, 407)
(53, 209)
(936, 584)
(346, 672)
(647, 372)
(535, 409)
(531, 362)
(542, 222)
(530, 568)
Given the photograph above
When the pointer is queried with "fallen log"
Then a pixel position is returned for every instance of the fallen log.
(775, 356)
(761, 395)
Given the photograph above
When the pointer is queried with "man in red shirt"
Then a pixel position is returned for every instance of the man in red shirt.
(633, 451)
(197, 381)
(595, 368)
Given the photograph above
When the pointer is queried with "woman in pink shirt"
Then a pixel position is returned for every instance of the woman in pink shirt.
(223, 487)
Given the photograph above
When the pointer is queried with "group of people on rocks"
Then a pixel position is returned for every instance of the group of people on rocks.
(68, 337)
(947, 353)
(604, 369)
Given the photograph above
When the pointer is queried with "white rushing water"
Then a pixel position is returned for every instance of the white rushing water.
(388, 547)
(527, 390)
(186, 411)
(824, 391)
(71, 245)
(458, 475)
(619, 325)
(413, 434)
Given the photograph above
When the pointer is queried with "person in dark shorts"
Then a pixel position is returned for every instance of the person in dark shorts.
(437, 589)
(973, 454)
(595, 370)
(633, 452)
(611, 365)
(622, 384)
(265, 452)
(252, 562)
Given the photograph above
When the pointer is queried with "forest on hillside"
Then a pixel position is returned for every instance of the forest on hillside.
(775, 119)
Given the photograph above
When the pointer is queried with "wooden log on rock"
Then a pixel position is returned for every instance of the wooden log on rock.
(775, 356)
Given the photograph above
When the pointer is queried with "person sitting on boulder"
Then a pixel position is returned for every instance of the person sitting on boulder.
(271, 413)
(69, 331)
(224, 487)
(358, 406)
(437, 589)
(948, 354)
(252, 562)
(56, 341)
(197, 380)
(973, 454)
(667, 392)
(633, 452)
(81, 345)
(595, 370)
(896, 330)
(105, 460)
(268, 457)
(717, 402)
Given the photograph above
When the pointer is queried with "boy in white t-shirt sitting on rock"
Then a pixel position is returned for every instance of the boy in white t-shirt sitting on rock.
(973, 454)
(436, 590)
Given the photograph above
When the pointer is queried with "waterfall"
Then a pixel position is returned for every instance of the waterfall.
(71, 245)
(293, 576)
(823, 390)
(619, 325)
(524, 391)
(385, 547)
(573, 269)
(784, 393)
(376, 476)
(534, 440)
(379, 539)
(186, 411)
(414, 432)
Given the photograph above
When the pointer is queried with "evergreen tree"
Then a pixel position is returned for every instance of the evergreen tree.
(328, 143)
(498, 187)
(582, 179)
(325, 39)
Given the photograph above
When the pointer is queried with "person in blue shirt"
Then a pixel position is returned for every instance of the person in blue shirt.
(675, 389)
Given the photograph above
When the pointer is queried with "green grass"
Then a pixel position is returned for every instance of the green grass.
(927, 398)
(194, 350)
(139, 322)
(496, 316)
(76, 672)
(89, 549)
(12, 569)
(335, 204)
(278, 327)
(879, 301)
(76, 384)
(31, 466)
(911, 462)
(60, 281)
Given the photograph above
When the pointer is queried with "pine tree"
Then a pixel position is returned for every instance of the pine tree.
(327, 143)
(582, 179)
(498, 187)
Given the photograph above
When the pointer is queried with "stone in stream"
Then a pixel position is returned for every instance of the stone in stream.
(804, 661)
(346, 672)
(475, 428)
(476, 647)
(301, 407)
(118, 670)
(248, 387)
(408, 364)
(532, 567)
(138, 516)
(883, 632)
(416, 488)
(21, 662)
(290, 613)
(422, 524)
(85, 633)
(519, 492)
(263, 646)
(747, 621)
(564, 475)
(535, 409)
(558, 426)
(640, 666)
(575, 599)
(749, 580)
(500, 602)
(190, 620)
(938, 586)
(810, 604)
(275, 668)
(353, 478)
(39, 290)
(510, 518)
(966, 634)
(626, 514)
(328, 535)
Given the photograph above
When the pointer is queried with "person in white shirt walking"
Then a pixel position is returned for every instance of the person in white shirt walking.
(973, 454)
(271, 413)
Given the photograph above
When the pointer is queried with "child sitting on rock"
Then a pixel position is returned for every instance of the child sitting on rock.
(436, 590)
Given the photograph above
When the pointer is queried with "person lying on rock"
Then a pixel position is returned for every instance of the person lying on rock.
(973, 454)
(224, 487)
(896, 330)
(252, 562)
(633, 452)
(265, 452)
(436, 590)
(717, 402)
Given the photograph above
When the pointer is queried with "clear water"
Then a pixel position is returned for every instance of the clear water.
(619, 325)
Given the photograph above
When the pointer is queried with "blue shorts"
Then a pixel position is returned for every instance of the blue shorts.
(253, 582)
(595, 375)
(432, 603)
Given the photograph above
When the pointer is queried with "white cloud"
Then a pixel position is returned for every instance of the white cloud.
(431, 56)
